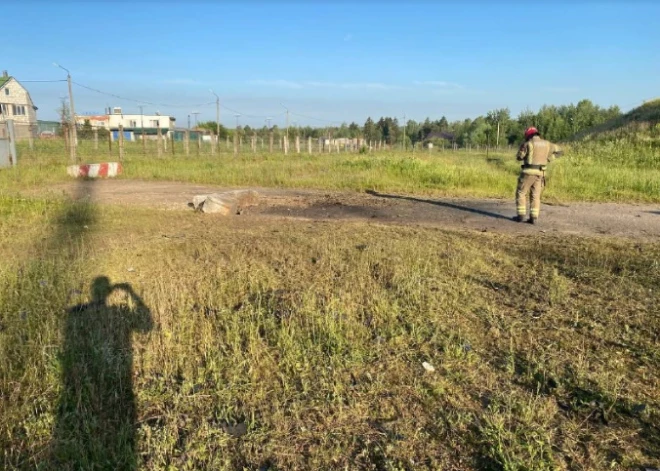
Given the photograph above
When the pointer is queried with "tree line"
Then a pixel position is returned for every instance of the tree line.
(556, 123)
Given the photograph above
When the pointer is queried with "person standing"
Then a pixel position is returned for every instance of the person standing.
(534, 153)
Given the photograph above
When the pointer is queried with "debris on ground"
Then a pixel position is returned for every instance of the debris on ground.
(226, 203)
(428, 367)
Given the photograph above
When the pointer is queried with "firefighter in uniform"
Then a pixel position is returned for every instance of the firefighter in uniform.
(534, 153)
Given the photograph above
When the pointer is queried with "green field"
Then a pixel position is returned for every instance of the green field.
(301, 345)
(616, 171)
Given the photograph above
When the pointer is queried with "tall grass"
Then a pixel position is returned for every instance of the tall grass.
(301, 346)
(617, 172)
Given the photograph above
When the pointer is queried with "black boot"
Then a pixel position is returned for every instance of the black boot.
(518, 218)
(532, 220)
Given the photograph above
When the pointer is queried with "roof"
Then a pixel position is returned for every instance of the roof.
(4, 80)
(439, 135)
(101, 117)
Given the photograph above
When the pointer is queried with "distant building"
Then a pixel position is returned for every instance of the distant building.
(134, 125)
(341, 141)
(447, 136)
(17, 105)
(95, 120)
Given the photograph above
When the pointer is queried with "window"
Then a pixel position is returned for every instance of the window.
(132, 124)
(18, 110)
(4, 108)
(6, 91)
(154, 123)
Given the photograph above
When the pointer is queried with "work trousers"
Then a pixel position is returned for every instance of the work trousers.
(529, 184)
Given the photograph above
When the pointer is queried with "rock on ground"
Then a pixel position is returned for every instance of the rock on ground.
(226, 203)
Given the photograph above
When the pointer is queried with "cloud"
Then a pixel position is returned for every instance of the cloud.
(276, 83)
(317, 84)
(181, 81)
(439, 84)
(348, 37)
(560, 89)
(352, 86)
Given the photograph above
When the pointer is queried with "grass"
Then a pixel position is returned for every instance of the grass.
(225, 344)
(614, 172)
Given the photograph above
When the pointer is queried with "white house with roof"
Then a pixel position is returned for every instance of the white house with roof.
(16, 104)
(134, 125)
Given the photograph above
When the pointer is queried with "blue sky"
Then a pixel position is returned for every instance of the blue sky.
(337, 61)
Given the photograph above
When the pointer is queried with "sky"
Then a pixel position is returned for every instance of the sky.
(329, 62)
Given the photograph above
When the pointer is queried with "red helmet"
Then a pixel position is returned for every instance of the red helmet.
(530, 132)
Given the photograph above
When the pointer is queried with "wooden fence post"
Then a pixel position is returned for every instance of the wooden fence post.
(96, 139)
(199, 143)
(110, 142)
(270, 142)
(159, 143)
(187, 142)
(121, 142)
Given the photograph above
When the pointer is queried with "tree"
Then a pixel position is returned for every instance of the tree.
(499, 119)
(371, 131)
(86, 132)
(354, 130)
(212, 127)
(65, 117)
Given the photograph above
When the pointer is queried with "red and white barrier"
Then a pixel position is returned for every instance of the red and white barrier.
(110, 169)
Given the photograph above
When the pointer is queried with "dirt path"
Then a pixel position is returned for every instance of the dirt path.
(621, 220)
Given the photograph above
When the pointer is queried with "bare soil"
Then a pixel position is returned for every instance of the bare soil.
(586, 219)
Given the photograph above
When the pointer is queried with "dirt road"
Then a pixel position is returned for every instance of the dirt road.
(588, 219)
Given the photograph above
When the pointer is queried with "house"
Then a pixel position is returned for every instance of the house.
(16, 104)
(136, 125)
(442, 135)
(95, 120)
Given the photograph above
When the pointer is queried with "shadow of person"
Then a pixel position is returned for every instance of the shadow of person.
(96, 416)
(443, 204)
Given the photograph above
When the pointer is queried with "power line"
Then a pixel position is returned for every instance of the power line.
(42, 81)
(141, 101)
(316, 119)
(196, 105)
(248, 115)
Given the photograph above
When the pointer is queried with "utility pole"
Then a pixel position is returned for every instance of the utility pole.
(236, 136)
(74, 131)
(188, 121)
(287, 122)
(404, 132)
(144, 142)
(195, 113)
(217, 115)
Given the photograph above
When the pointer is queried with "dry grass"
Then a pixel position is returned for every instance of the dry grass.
(283, 345)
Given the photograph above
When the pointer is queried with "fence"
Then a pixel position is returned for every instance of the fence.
(7, 144)
(54, 141)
